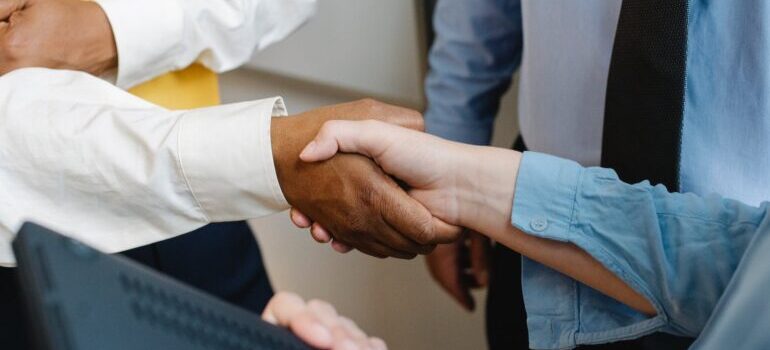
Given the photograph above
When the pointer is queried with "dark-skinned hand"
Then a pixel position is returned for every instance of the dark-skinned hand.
(461, 266)
(349, 195)
(60, 34)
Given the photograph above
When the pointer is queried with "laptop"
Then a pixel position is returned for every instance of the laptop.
(78, 298)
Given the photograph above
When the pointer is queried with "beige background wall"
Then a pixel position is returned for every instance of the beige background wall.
(390, 298)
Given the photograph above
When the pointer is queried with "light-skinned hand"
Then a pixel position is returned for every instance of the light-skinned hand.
(318, 324)
(463, 185)
(468, 186)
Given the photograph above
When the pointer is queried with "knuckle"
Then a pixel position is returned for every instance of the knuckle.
(369, 196)
(368, 102)
(372, 106)
(287, 297)
(424, 233)
(413, 114)
(358, 228)
(328, 128)
(415, 120)
(320, 305)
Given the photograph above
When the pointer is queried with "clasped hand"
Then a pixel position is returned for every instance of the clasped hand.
(349, 196)
(448, 185)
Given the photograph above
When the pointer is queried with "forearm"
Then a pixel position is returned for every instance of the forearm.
(87, 158)
(487, 209)
(576, 263)
(662, 245)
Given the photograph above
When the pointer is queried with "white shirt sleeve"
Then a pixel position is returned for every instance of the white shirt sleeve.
(82, 156)
(157, 36)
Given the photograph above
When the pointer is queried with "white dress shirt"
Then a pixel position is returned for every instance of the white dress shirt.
(84, 157)
(157, 36)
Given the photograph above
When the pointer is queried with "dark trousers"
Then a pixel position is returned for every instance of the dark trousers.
(507, 319)
(222, 259)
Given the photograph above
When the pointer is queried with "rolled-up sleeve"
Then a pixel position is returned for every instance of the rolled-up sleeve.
(678, 250)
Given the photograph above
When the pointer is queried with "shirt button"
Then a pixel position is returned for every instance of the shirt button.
(539, 224)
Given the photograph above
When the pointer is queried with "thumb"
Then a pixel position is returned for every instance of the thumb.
(8, 7)
(362, 137)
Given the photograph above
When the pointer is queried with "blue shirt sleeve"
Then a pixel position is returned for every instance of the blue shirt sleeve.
(477, 49)
(740, 319)
(678, 250)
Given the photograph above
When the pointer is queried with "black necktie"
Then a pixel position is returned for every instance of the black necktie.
(645, 92)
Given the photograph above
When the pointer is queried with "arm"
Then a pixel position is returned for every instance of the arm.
(157, 36)
(661, 253)
(85, 157)
(477, 49)
(142, 38)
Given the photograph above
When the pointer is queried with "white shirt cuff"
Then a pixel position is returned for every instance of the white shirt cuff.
(227, 160)
(146, 32)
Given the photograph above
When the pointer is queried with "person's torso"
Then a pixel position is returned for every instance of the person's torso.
(725, 145)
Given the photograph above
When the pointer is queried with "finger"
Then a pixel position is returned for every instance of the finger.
(478, 251)
(323, 311)
(343, 340)
(407, 118)
(378, 344)
(300, 220)
(349, 332)
(367, 249)
(282, 308)
(8, 7)
(341, 247)
(380, 248)
(290, 311)
(352, 328)
(409, 217)
(364, 137)
(445, 265)
(311, 330)
(320, 234)
(390, 237)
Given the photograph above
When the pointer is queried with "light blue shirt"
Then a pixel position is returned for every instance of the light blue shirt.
(678, 250)
(563, 50)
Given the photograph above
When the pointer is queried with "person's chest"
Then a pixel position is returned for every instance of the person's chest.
(725, 123)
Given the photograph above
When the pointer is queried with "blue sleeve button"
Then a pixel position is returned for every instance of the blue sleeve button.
(539, 224)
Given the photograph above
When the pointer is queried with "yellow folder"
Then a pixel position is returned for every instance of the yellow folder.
(193, 87)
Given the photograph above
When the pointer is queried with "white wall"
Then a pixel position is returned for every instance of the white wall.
(370, 46)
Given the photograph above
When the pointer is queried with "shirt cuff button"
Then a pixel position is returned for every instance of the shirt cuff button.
(539, 224)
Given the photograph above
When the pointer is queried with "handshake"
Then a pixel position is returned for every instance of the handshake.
(363, 176)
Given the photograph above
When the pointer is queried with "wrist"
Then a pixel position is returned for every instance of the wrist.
(104, 49)
(282, 150)
(288, 136)
(488, 185)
